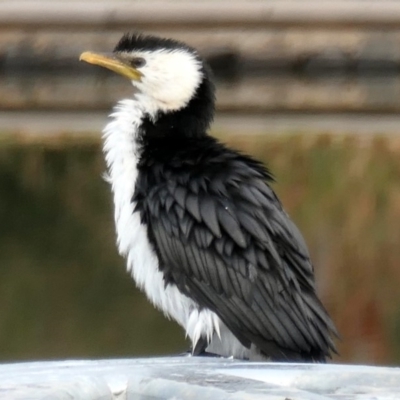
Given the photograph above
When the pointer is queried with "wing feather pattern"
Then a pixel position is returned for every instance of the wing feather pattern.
(228, 244)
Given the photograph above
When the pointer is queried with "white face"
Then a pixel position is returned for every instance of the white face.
(170, 78)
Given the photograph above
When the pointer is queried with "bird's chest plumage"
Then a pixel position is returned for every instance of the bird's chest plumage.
(163, 170)
(123, 151)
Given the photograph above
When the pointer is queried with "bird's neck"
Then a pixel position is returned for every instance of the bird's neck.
(190, 121)
(135, 126)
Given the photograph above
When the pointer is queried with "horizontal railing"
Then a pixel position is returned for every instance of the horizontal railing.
(278, 13)
(268, 57)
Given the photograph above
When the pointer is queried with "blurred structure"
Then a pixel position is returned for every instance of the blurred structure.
(281, 67)
(286, 57)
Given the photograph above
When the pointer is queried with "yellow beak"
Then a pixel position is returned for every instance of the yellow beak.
(112, 63)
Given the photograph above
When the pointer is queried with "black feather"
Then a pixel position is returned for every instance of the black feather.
(208, 214)
(231, 226)
(180, 194)
(192, 205)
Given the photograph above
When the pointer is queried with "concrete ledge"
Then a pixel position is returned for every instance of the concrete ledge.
(195, 378)
(32, 126)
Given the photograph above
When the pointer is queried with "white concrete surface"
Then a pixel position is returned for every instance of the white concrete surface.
(195, 378)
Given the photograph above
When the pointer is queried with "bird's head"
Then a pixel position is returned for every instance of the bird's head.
(167, 73)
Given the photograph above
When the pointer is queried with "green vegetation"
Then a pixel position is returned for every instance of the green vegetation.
(64, 291)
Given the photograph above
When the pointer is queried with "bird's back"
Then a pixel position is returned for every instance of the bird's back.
(222, 237)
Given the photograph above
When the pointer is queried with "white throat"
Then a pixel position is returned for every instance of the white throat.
(122, 154)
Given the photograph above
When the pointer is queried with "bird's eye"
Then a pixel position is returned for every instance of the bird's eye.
(138, 62)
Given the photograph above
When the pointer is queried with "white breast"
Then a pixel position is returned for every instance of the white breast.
(122, 154)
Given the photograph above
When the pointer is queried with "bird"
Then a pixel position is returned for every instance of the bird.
(203, 233)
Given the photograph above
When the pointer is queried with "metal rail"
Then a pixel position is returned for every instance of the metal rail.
(122, 14)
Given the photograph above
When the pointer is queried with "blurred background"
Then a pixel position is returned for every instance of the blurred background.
(310, 87)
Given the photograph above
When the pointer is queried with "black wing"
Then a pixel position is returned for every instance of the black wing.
(223, 238)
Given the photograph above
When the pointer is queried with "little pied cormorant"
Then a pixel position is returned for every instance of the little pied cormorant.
(204, 234)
